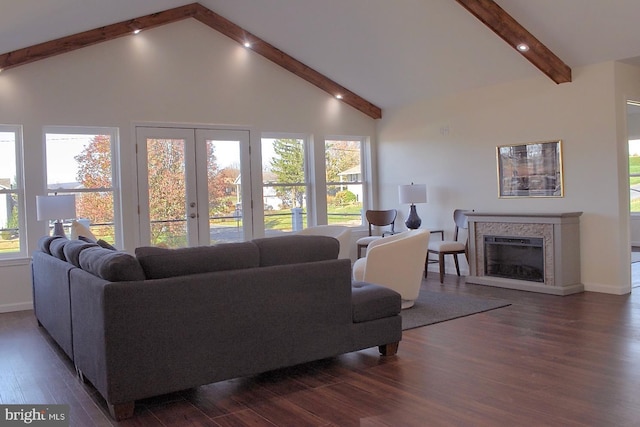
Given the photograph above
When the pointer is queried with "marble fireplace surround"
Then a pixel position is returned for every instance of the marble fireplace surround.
(561, 247)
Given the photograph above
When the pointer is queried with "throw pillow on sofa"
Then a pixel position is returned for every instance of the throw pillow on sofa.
(78, 230)
(73, 248)
(56, 248)
(114, 266)
(44, 244)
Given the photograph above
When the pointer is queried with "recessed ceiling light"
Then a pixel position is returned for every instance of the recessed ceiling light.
(247, 44)
(523, 47)
(339, 96)
(136, 31)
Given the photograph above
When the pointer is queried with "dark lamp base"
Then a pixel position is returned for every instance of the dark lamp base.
(413, 221)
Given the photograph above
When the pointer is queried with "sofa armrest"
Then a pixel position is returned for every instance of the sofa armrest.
(51, 300)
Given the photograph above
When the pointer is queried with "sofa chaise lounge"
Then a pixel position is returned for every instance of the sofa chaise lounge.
(171, 319)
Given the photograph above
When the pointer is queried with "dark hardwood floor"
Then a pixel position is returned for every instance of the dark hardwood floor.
(543, 361)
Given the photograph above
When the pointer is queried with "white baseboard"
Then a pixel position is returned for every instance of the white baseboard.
(607, 289)
(19, 306)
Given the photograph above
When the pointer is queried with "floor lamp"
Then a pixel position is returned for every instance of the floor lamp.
(56, 208)
(414, 193)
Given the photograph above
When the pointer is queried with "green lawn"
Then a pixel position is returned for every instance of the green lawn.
(634, 168)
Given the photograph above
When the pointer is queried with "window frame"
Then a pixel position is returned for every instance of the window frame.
(19, 191)
(308, 162)
(316, 178)
(365, 180)
(113, 133)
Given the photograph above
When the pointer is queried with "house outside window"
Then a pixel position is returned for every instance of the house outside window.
(80, 161)
(12, 239)
(345, 182)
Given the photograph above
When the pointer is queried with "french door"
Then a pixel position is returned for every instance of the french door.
(193, 186)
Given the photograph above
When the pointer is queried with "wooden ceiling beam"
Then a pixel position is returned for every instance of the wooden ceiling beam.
(261, 47)
(207, 17)
(510, 30)
(91, 37)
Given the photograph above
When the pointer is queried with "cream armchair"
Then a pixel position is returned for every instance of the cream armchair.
(340, 232)
(396, 262)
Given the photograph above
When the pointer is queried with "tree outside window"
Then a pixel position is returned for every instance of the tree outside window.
(343, 165)
(284, 184)
(11, 239)
(80, 161)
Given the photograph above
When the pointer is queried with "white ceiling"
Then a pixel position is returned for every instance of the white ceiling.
(391, 52)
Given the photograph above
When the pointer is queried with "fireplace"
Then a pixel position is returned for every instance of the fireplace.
(537, 252)
(519, 258)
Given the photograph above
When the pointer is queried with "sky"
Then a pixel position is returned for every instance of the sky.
(7, 155)
(62, 148)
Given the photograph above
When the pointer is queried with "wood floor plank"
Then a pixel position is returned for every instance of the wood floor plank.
(544, 360)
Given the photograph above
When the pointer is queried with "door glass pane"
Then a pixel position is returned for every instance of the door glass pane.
(344, 182)
(167, 192)
(224, 191)
(284, 185)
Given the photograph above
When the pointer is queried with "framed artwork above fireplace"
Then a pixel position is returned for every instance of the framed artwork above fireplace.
(530, 170)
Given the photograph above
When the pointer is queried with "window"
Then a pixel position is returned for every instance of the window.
(344, 175)
(80, 161)
(634, 175)
(12, 242)
(284, 184)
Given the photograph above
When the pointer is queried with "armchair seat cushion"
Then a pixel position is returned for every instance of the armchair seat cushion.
(446, 246)
(364, 241)
(372, 302)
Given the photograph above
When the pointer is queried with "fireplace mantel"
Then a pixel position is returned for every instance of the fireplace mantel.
(561, 248)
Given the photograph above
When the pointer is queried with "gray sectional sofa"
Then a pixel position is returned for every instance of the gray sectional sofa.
(170, 319)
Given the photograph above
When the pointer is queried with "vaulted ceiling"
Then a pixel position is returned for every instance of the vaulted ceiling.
(391, 53)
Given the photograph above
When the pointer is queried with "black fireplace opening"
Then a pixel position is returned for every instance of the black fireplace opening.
(520, 258)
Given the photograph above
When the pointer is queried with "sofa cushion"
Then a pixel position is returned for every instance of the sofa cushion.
(159, 263)
(295, 249)
(56, 247)
(73, 248)
(114, 266)
(371, 302)
(44, 244)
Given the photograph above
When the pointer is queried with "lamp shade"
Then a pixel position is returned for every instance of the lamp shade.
(414, 193)
(55, 207)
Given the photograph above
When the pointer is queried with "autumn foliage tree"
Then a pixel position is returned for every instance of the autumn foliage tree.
(166, 184)
(94, 172)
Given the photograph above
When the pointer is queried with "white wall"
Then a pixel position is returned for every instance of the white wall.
(181, 73)
(450, 144)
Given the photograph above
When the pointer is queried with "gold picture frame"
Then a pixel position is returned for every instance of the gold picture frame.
(533, 169)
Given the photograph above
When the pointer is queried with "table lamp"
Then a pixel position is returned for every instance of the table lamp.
(414, 193)
(56, 208)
